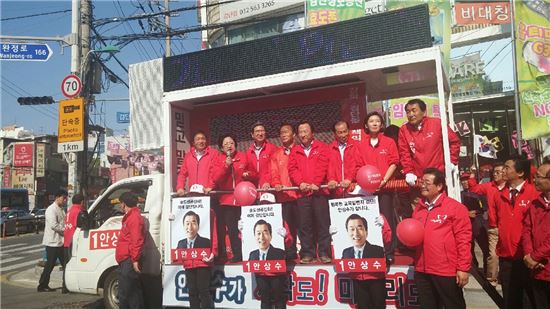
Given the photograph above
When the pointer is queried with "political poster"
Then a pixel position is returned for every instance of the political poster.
(357, 234)
(263, 238)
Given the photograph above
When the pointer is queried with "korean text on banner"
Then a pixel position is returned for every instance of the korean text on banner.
(323, 12)
(482, 13)
(71, 120)
(533, 67)
(23, 154)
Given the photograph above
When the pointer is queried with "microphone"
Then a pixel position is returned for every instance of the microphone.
(228, 153)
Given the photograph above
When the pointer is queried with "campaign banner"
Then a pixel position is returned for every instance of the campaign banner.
(494, 13)
(533, 67)
(190, 229)
(310, 286)
(263, 238)
(324, 12)
(23, 154)
(398, 115)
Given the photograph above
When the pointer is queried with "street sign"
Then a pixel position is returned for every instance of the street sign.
(71, 86)
(71, 126)
(25, 51)
(122, 117)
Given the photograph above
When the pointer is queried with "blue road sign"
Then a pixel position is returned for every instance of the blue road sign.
(122, 117)
(25, 51)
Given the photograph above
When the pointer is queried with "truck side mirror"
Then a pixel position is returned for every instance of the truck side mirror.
(83, 220)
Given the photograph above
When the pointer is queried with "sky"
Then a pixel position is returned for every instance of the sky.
(30, 78)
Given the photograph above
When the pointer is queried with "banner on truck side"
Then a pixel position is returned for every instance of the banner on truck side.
(190, 230)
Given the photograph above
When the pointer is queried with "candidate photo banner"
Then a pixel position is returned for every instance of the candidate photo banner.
(263, 238)
(190, 237)
(533, 67)
(357, 234)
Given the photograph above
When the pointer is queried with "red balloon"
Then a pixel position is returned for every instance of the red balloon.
(245, 193)
(369, 178)
(410, 232)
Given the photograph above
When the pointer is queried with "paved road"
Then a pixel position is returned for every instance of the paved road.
(19, 278)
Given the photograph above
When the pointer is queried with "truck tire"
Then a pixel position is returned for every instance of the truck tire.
(110, 290)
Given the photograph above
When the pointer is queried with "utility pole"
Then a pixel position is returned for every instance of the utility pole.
(86, 21)
(168, 52)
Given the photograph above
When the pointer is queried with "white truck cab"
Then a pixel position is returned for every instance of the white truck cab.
(92, 267)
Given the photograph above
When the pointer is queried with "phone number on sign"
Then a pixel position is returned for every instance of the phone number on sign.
(257, 7)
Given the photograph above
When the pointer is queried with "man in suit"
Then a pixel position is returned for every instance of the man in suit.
(358, 231)
(369, 289)
(191, 222)
(271, 286)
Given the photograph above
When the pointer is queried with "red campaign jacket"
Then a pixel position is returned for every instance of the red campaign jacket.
(535, 238)
(70, 224)
(132, 236)
(386, 238)
(226, 178)
(510, 220)
(489, 190)
(262, 165)
(190, 263)
(279, 175)
(312, 169)
(196, 172)
(420, 149)
(382, 155)
(350, 165)
(447, 238)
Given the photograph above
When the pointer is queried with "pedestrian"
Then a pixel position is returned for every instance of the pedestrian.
(381, 151)
(511, 206)
(128, 254)
(259, 154)
(490, 190)
(443, 260)
(535, 238)
(53, 238)
(307, 167)
(280, 179)
(421, 142)
(70, 227)
(228, 171)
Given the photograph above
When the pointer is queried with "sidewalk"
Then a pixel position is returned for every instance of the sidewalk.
(30, 277)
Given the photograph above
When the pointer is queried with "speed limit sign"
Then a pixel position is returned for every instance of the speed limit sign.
(71, 86)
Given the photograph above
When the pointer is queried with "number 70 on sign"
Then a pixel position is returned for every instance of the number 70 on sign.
(71, 86)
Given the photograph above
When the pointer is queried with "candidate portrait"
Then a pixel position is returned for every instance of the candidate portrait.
(191, 224)
(263, 235)
(357, 229)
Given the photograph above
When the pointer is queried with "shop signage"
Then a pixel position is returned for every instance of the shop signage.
(482, 13)
(22, 154)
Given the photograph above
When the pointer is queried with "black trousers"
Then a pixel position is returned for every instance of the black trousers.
(314, 220)
(480, 235)
(229, 217)
(515, 280)
(130, 291)
(272, 291)
(52, 254)
(370, 294)
(435, 292)
(292, 218)
(198, 283)
(385, 202)
(67, 252)
(541, 290)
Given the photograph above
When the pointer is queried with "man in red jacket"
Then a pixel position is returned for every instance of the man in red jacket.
(70, 227)
(128, 254)
(195, 168)
(259, 155)
(280, 179)
(421, 142)
(343, 160)
(535, 238)
(307, 167)
(443, 259)
(511, 206)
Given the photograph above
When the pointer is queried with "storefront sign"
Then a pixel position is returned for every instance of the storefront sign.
(467, 76)
(533, 68)
(324, 12)
(482, 13)
(244, 9)
(6, 177)
(23, 178)
(22, 154)
(40, 159)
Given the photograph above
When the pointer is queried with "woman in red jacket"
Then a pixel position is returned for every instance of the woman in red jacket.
(227, 171)
(381, 151)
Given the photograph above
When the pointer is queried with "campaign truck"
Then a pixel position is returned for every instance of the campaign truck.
(322, 75)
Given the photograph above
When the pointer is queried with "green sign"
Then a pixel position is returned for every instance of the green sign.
(324, 12)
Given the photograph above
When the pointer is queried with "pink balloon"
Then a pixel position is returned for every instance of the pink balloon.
(410, 232)
(369, 178)
(245, 193)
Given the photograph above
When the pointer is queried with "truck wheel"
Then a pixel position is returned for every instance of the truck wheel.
(110, 291)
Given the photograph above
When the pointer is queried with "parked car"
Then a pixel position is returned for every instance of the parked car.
(39, 217)
(14, 219)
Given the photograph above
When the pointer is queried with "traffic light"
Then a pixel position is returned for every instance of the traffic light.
(35, 100)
